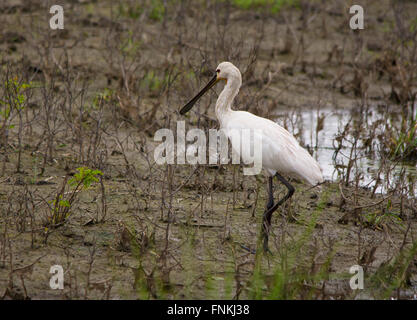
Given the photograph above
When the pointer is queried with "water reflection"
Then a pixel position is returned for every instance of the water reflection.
(304, 123)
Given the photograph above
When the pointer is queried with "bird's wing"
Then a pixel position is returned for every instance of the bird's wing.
(280, 150)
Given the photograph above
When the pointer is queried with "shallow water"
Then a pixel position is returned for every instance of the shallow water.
(304, 123)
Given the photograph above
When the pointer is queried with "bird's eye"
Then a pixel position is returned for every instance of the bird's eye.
(218, 70)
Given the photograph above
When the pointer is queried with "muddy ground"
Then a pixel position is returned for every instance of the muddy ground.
(118, 72)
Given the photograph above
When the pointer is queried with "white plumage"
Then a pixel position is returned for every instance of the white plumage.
(280, 150)
(281, 153)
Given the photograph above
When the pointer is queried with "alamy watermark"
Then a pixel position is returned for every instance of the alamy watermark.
(356, 281)
(191, 147)
(57, 280)
(356, 21)
(57, 20)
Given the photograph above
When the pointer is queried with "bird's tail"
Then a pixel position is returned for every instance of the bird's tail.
(309, 170)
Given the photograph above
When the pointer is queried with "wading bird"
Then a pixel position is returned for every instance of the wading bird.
(281, 153)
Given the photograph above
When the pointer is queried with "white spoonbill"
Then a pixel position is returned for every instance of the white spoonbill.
(281, 153)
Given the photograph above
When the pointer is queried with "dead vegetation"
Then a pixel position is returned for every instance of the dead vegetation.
(92, 96)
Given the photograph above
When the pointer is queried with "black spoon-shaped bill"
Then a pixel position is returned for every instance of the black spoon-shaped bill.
(191, 103)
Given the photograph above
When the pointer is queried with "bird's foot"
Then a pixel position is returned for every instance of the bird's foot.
(267, 251)
(265, 245)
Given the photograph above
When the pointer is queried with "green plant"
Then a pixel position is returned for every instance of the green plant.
(402, 142)
(134, 11)
(14, 99)
(84, 178)
(60, 207)
(157, 11)
(130, 11)
(393, 274)
(293, 276)
(152, 82)
(378, 219)
(273, 5)
(129, 46)
(105, 95)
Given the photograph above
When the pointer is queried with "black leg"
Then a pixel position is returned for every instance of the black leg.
(270, 203)
(271, 207)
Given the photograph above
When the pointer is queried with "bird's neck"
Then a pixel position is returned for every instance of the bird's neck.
(226, 97)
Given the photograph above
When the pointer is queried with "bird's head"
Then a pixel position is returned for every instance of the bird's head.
(225, 71)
